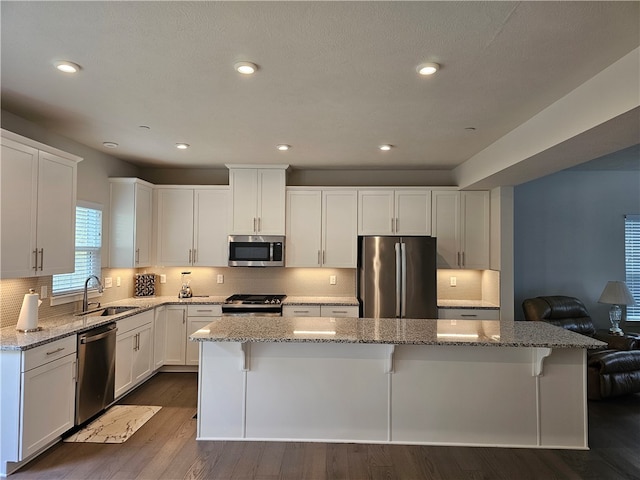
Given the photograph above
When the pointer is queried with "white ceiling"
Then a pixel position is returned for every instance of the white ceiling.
(336, 79)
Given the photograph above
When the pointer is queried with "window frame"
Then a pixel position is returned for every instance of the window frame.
(632, 263)
(73, 296)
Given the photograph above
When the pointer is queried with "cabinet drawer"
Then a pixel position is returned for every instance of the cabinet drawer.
(127, 324)
(339, 311)
(468, 314)
(301, 311)
(48, 353)
(204, 310)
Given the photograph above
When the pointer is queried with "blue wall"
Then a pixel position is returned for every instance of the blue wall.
(569, 235)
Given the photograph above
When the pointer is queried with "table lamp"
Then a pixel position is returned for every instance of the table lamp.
(615, 294)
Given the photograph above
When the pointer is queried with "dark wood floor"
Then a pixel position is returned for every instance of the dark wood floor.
(165, 448)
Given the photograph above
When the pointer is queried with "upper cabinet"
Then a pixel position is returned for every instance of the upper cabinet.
(460, 222)
(394, 212)
(192, 226)
(257, 200)
(37, 208)
(321, 228)
(131, 201)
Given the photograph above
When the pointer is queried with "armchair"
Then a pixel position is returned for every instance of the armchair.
(610, 372)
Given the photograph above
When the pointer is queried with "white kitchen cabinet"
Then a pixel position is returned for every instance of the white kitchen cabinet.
(182, 321)
(468, 314)
(394, 212)
(37, 208)
(38, 398)
(257, 200)
(192, 226)
(198, 316)
(460, 222)
(159, 336)
(320, 311)
(176, 333)
(322, 228)
(131, 201)
(134, 351)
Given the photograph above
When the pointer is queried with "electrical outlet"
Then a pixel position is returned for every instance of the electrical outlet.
(108, 282)
(43, 292)
(118, 282)
(163, 278)
(332, 280)
(220, 278)
(453, 281)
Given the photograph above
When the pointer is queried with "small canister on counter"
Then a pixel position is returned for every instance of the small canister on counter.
(145, 285)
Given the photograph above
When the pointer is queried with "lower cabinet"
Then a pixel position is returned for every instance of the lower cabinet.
(468, 314)
(320, 311)
(134, 351)
(182, 321)
(38, 389)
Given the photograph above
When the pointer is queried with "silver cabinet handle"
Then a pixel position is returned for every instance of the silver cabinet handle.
(468, 315)
(137, 255)
(392, 227)
(259, 224)
(194, 256)
(52, 352)
(318, 257)
(41, 259)
(463, 262)
(301, 311)
(254, 225)
(339, 311)
(459, 264)
(184, 316)
(189, 255)
(324, 257)
(35, 254)
(397, 229)
(203, 311)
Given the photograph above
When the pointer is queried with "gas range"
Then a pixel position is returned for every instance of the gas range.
(253, 305)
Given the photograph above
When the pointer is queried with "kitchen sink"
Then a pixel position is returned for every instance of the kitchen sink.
(107, 311)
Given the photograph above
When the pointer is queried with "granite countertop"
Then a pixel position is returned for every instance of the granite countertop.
(342, 301)
(391, 331)
(470, 304)
(54, 328)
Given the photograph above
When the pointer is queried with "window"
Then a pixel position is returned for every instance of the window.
(88, 246)
(632, 262)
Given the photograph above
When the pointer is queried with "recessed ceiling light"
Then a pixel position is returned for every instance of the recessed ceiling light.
(386, 147)
(427, 68)
(283, 147)
(182, 146)
(67, 67)
(246, 68)
(110, 144)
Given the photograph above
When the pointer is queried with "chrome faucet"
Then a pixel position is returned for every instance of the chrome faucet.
(85, 299)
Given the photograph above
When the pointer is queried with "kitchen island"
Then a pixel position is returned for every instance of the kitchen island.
(410, 381)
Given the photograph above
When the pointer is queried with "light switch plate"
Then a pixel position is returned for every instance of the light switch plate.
(332, 280)
(108, 282)
(43, 292)
(453, 281)
(220, 278)
(118, 281)
(163, 278)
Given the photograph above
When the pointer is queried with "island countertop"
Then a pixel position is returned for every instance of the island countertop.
(391, 331)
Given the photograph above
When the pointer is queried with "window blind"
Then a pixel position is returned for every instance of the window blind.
(88, 253)
(632, 262)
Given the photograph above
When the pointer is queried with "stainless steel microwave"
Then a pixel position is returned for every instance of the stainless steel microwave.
(256, 250)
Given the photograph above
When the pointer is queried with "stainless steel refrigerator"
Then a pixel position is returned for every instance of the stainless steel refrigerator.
(397, 277)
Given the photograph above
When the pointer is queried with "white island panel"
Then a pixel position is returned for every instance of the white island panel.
(317, 391)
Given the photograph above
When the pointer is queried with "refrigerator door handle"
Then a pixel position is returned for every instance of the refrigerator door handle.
(398, 278)
(403, 302)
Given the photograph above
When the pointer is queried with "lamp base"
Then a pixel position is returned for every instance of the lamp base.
(616, 331)
(615, 316)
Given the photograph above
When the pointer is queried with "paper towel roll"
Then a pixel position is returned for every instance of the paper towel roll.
(28, 319)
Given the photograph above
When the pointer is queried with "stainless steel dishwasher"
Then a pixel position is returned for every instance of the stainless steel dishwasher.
(96, 371)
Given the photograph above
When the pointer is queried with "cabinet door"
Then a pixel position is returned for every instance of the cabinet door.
(244, 200)
(56, 214)
(175, 226)
(143, 213)
(301, 311)
(340, 228)
(445, 226)
(192, 348)
(18, 208)
(304, 228)
(143, 353)
(376, 212)
(176, 334)
(159, 336)
(271, 202)
(475, 211)
(211, 217)
(125, 343)
(413, 212)
(48, 403)
(339, 311)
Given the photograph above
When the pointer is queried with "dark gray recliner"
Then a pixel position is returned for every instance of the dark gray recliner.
(611, 372)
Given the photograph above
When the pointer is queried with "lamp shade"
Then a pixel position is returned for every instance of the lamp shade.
(616, 293)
